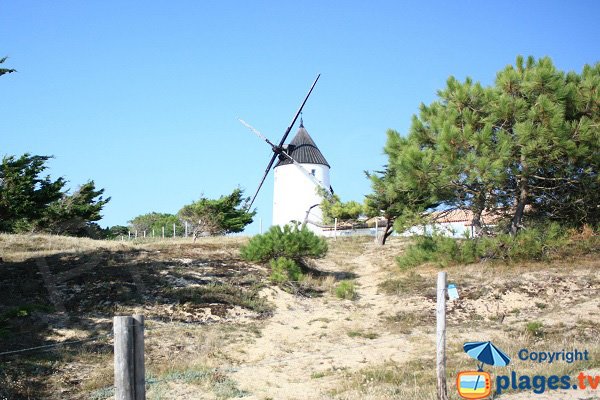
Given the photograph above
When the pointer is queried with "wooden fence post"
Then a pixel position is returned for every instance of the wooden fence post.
(124, 364)
(442, 389)
(139, 366)
(130, 381)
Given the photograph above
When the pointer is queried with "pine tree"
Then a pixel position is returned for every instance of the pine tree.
(549, 117)
(404, 190)
(74, 214)
(532, 139)
(24, 194)
(227, 214)
(470, 156)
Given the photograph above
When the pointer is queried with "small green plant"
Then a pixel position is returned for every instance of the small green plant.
(290, 242)
(535, 329)
(346, 290)
(285, 250)
(284, 269)
(317, 375)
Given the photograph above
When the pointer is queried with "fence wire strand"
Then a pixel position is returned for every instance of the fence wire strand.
(49, 347)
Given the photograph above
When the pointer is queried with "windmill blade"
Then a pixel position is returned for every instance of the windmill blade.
(257, 133)
(304, 170)
(289, 128)
(262, 180)
(277, 149)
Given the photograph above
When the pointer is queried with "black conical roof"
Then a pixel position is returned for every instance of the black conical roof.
(303, 149)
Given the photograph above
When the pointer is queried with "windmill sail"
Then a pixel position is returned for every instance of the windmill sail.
(277, 149)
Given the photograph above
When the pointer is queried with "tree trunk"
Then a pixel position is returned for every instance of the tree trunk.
(478, 208)
(523, 195)
(387, 232)
(476, 223)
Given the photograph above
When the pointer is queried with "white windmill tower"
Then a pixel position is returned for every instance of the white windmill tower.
(301, 169)
(297, 179)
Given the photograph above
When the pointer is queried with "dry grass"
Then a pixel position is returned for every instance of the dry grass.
(175, 280)
(16, 248)
(541, 306)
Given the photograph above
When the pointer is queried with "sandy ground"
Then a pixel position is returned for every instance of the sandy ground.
(308, 337)
(323, 347)
(305, 350)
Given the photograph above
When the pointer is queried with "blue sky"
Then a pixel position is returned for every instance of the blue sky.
(143, 96)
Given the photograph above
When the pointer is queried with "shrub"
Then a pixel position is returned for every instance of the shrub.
(535, 329)
(290, 242)
(284, 269)
(535, 243)
(346, 290)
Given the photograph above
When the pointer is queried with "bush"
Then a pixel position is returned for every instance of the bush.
(535, 329)
(346, 290)
(290, 242)
(537, 243)
(284, 269)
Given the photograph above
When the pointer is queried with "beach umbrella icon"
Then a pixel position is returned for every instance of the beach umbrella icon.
(486, 353)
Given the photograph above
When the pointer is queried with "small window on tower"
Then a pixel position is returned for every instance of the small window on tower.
(313, 171)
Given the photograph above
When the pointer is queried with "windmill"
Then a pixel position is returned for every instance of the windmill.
(300, 170)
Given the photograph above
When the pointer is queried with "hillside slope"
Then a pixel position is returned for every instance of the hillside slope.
(217, 329)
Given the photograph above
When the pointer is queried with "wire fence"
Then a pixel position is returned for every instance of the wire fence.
(228, 368)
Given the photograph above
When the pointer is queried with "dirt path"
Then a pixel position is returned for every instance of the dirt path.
(309, 342)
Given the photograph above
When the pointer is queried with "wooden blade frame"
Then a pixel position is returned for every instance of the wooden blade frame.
(278, 149)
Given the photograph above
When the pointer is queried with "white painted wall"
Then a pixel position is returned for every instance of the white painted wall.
(294, 193)
(451, 229)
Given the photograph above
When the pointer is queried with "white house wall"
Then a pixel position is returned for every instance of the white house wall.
(294, 193)
(450, 229)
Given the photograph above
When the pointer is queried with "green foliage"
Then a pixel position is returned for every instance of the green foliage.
(156, 221)
(531, 139)
(531, 244)
(333, 208)
(73, 214)
(32, 203)
(289, 242)
(24, 195)
(284, 269)
(227, 214)
(346, 290)
(403, 191)
(535, 328)
(29, 202)
(116, 231)
(5, 70)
